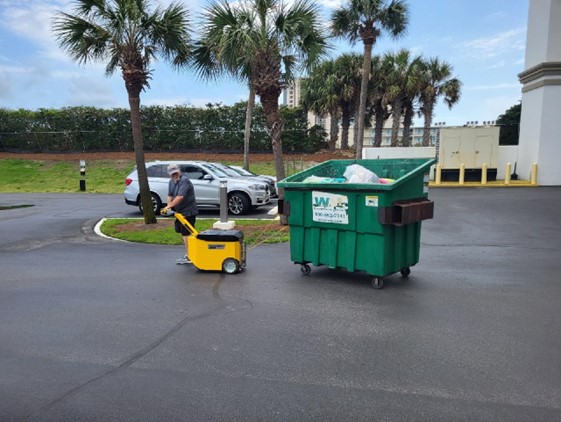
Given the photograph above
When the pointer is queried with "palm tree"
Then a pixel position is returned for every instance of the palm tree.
(379, 98)
(436, 81)
(319, 94)
(267, 40)
(209, 65)
(126, 35)
(403, 83)
(348, 70)
(333, 89)
(365, 20)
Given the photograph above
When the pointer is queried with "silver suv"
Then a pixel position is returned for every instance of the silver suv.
(233, 171)
(243, 194)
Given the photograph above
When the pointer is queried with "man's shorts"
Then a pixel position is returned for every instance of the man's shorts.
(180, 228)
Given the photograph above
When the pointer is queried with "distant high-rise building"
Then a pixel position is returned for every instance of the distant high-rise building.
(291, 94)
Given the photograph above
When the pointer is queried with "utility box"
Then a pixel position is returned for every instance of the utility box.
(471, 146)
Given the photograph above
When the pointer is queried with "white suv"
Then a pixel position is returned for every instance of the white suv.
(243, 193)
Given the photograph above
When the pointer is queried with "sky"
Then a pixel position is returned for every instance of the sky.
(484, 41)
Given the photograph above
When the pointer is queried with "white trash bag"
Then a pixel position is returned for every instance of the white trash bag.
(356, 173)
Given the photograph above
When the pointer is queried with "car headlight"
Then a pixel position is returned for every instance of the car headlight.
(257, 187)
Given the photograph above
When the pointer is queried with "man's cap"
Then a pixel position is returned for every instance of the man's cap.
(172, 168)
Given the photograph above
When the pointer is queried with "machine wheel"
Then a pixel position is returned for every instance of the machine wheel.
(405, 272)
(156, 204)
(239, 203)
(230, 266)
(377, 282)
(305, 269)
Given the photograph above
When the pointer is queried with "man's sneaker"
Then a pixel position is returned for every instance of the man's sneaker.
(183, 261)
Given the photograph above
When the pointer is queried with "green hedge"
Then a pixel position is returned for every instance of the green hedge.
(215, 128)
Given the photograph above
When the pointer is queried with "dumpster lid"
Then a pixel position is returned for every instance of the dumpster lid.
(400, 170)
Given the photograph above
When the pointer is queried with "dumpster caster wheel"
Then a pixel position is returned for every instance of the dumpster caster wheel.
(377, 282)
(230, 266)
(305, 268)
(405, 272)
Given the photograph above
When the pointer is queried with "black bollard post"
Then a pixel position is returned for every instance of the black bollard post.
(83, 174)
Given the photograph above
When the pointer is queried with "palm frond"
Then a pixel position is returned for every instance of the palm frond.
(125, 34)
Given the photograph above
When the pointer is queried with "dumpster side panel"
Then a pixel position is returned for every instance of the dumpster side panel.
(375, 254)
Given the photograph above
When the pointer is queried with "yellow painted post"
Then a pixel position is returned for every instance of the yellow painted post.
(484, 174)
(507, 173)
(534, 174)
(462, 173)
(438, 177)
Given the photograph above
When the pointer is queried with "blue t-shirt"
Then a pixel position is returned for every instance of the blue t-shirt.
(183, 187)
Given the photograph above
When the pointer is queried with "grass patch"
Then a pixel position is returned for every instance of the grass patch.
(44, 176)
(102, 176)
(134, 230)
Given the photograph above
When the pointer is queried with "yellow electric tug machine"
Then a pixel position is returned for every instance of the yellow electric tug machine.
(215, 250)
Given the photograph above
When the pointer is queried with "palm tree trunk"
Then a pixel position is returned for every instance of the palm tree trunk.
(247, 130)
(379, 120)
(333, 130)
(427, 113)
(396, 116)
(359, 125)
(275, 126)
(407, 121)
(145, 198)
(270, 103)
(345, 123)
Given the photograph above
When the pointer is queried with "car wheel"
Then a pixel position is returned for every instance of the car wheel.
(239, 203)
(156, 203)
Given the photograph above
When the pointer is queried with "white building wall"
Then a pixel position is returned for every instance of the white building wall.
(543, 39)
(549, 155)
(530, 131)
(508, 154)
(540, 123)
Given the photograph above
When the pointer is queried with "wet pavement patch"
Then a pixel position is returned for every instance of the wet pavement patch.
(11, 207)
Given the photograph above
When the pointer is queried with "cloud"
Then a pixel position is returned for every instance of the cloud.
(6, 91)
(496, 86)
(92, 92)
(6, 70)
(495, 106)
(32, 21)
(497, 45)
(330, 4)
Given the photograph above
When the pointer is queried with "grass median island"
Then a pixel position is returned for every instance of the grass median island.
(134, 230)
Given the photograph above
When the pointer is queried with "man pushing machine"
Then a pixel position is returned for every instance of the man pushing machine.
(181, 199)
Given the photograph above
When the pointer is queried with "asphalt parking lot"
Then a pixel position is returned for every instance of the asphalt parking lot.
(98, 329)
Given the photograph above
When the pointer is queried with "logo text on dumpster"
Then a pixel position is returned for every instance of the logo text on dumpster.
(330, 208)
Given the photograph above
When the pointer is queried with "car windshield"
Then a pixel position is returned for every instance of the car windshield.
(216, 170)
(242, 171)
(225, 169)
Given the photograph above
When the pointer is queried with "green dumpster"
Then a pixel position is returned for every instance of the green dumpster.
(370, 227)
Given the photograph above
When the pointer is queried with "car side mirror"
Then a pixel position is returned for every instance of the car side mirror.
(208, 177)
